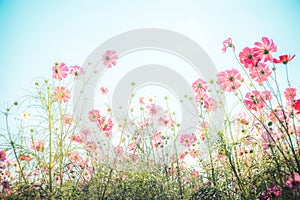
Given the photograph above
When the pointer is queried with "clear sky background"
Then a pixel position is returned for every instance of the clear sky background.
(35, 34)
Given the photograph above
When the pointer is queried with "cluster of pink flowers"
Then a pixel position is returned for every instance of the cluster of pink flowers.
(293, 182)
(271, 192)
(104, 123)
(255, 100)
(202, 97)
(61, 71)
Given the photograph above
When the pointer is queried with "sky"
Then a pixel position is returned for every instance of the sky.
(35, 34)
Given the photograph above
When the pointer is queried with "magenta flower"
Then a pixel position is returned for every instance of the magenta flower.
(247, 57)
(188, 139)
(60, 71)
(2, 155)
(264, 49)
(260, 73)
(94, 115)
(228, 43)
(297, 106)
(110, 58)
(76, 71)
(200, 86)
(230, 80)
(290, 94)
(61, 94)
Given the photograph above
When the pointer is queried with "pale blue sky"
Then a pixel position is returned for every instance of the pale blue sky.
(35, 34)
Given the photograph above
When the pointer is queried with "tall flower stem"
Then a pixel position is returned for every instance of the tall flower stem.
(50, 139)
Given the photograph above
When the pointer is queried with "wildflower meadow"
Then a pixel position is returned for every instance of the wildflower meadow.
(48, 152)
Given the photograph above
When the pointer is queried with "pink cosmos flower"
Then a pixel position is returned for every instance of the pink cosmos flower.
(67, 119)
(145, 123)
(142, 100)
(247, 57)
(85, 131)
(242, 118)
(119, 151)
(104, 90)
(188, 139)
(106, 126)
(297, 106)
(266, 95)
(210, 104)
(61, 94)
(2, 155)
(254, 101)
(153, 110)
(76, 138)
(230, 80)
(94, 115)
(260, 73)
(284, 59)
(110, 58)
(264, 49)
(60, 71)
(293, 181)
(194, 153)
(37, 145)
(132, 146)
(228, 43)
(166, 121)
(199, 86)
(76, 71)
(157, 141)
(76, 158)
(133, 157)
(290, 94)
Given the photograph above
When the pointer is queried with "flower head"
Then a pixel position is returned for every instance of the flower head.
(110, 58)
(297, 106)
(2, 155)
(200, 86)
(94, 115)
(260, 73)
(188, 139)
(61, 94)
(264, 49)
(247, 57)
(228, 43)
(37, 145)
(284, 59)
(230, 80)
(76, 71)
(60, 71)
(290, 94)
